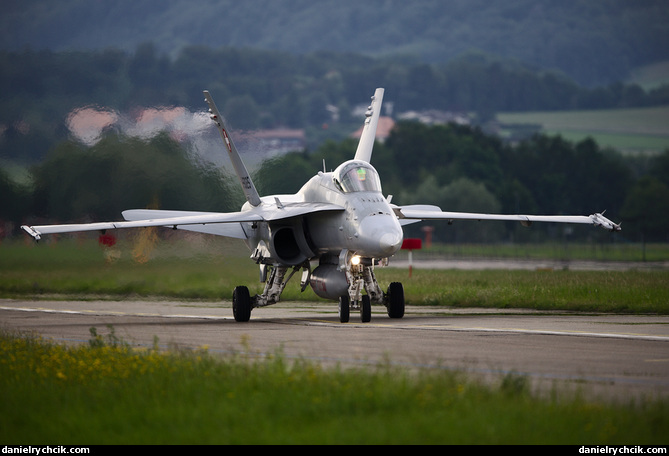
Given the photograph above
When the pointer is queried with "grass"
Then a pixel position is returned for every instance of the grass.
(584, 291)
(107, 393)
(210, 271)
(576, 251)
(172, 269)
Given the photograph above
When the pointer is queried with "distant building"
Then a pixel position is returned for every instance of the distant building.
(436, 117)
(87, 124)
(386, 124)
(280, 141)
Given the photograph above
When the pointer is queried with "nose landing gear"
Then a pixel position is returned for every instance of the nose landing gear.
(364, 306)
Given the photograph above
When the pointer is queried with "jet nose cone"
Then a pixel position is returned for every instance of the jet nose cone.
(380, 236)
(390, 243)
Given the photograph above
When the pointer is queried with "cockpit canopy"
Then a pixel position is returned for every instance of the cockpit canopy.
(357, 176)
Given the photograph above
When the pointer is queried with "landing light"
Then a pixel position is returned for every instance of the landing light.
(355, 260)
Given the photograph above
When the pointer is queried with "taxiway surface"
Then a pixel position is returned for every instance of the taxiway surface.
(623, 355)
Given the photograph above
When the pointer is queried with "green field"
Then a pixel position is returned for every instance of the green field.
(650, 76)
(628, 130)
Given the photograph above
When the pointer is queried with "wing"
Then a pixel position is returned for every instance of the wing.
(416, 213)
(364, 150)
(221, 224)
(146, 218)
(231, 229)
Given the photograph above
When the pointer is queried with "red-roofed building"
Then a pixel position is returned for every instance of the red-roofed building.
(385, 125)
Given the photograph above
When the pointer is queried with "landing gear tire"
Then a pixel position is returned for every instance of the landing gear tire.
(241, 304)
(366, 309)
(344, 309)
(395, 300)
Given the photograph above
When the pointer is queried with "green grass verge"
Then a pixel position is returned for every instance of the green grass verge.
(107, 393)
(585, 291)
(178, 270)
(572, 251)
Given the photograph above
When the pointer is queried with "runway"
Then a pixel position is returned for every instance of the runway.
(624, 356)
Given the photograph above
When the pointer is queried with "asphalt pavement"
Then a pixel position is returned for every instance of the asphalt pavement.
(602, 354)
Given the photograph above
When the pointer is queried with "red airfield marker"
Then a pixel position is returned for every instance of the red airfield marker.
(411, 244)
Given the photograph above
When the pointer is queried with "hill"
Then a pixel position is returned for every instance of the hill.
(592, 42)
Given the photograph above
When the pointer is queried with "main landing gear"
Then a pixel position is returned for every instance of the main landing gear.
(241, 304)
(359, 278)
(353, 276)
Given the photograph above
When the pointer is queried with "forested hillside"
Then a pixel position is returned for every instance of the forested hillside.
(593, 42)
(302, 64)
(266, 89)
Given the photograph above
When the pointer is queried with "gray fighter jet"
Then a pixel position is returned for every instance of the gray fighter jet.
(339, 222)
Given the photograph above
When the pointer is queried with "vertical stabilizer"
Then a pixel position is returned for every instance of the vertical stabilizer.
(364, 151)
(242, 173)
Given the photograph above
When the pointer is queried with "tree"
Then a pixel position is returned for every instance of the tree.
(462, 195)
(118, 173)
(284, 174)
(243, 112)
(645, 212)
(659, 167)
(14, 205)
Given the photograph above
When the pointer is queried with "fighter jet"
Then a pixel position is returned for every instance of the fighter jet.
(336, 229)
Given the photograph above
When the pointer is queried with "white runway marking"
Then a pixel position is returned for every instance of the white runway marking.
(319, 322)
